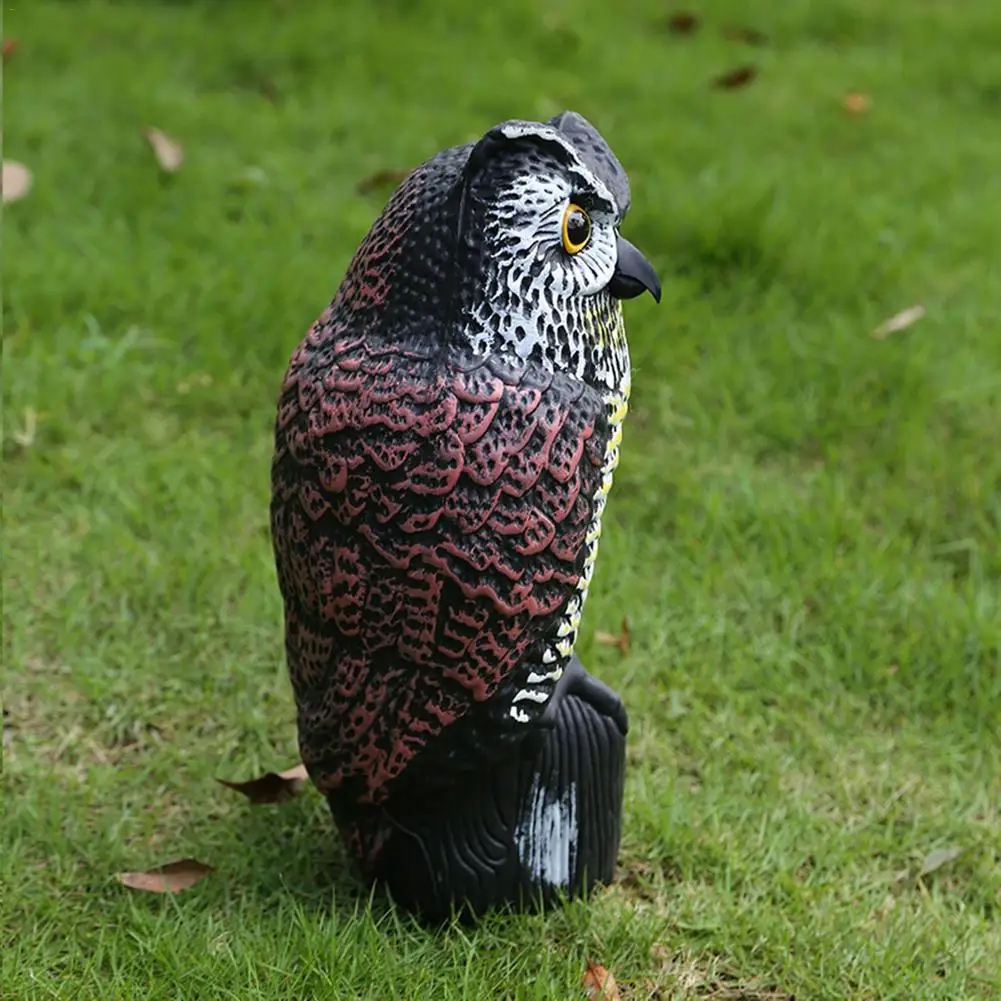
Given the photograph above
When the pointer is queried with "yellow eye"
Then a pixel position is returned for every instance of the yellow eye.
(576, 229)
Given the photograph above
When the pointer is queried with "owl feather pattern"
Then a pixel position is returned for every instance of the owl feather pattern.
(445, 441)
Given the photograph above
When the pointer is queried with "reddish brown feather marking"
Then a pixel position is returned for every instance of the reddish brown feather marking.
(429, 527)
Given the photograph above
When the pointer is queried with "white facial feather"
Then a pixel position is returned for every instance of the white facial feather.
(540, 301)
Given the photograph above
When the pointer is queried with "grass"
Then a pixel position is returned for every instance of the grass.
(804, 532)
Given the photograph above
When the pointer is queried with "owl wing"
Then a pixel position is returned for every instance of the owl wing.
(430, 528)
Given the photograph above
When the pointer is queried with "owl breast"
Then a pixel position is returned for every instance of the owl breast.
(560, 647)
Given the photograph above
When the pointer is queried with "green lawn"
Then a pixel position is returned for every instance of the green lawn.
(805, 532)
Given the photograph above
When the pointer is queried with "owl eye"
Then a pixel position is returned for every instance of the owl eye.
(576, 229)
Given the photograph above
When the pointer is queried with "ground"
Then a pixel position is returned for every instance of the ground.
(804, 533)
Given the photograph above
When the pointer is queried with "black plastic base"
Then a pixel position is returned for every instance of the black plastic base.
(526, 833)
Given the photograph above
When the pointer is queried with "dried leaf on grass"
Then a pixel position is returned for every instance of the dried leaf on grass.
(599, 984)
(735, 79)
(683, 23)
(16, 181)
(901, 321)
(856, 103)
(170, 878)
(25, 435)
(168, 152)
(622, 639)
(382, 179)
(272, 787)
(10, 47)
(935, 860)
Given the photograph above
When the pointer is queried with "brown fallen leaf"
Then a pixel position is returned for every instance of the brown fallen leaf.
(170, 878)
(16, 181)
(904, 319)
(620, 639)
(25, 435)
(168, 152)
(750, 36)
(856, 103)
(625, 637)
(272, 787)
(599, 984)
(683, 23)
(735, 79)
(10, 47)
(381, 179)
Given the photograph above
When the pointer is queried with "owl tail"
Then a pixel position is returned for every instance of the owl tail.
(529, 832)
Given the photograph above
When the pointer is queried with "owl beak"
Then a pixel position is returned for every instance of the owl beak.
(634, 274)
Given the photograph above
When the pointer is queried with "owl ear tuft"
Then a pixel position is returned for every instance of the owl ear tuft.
(509, 136)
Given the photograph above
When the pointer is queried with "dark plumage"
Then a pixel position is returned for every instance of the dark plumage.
(446, 436)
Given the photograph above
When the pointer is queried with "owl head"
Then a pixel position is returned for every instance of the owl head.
(507, 245)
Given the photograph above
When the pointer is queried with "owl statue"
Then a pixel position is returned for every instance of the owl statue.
(446, 438)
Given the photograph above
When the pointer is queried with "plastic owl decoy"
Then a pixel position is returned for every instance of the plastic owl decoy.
(446, 438)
